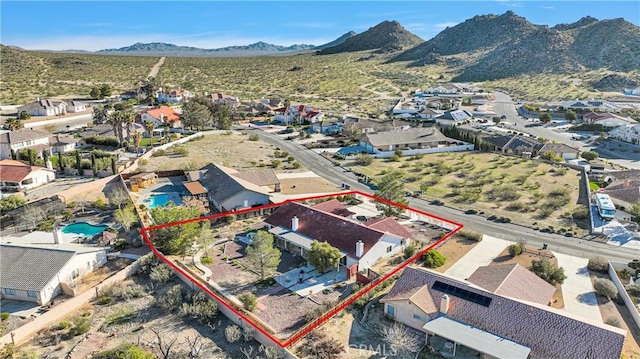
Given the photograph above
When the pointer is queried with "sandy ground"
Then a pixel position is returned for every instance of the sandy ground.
(307, 185)
(453, 249)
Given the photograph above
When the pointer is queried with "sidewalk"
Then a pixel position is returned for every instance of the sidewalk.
(577, 290)
(481, 255)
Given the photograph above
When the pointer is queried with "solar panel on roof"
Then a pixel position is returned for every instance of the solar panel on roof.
(462, 293)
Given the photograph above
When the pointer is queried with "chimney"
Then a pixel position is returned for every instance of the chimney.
(161, 117)
(444, 304)
(359, 249)
(294, 223)
(49, 164)
(57, 235)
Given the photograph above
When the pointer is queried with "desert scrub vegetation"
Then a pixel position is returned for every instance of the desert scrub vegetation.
(27, 75)
(488, 184)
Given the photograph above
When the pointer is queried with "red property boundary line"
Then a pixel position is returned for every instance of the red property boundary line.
(290, 341)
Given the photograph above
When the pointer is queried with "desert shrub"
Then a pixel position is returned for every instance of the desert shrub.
(547, 271)
(81, 325)
(409, 252)
(470, 235)
(615, 321)
(503, 193)
(105, 300)
(160, 274)
(125, 351)
(171, 300)
(515, 250)
(4, 316)
(248, 334)
(623, 273)
(605, 288)
(275, 163)
(598, 264)
(319, 345)
(159, 153)
(580, 213)
(395, 158)
(64, 325)
(363, 159)
(254, 138)
(249, 301)
(433, 259)
(180, 150)
(124, 292)
(200, 308)
(233, 333)
(206, 260)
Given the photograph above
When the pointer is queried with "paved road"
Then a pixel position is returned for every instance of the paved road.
(65, 123)
(568, 245)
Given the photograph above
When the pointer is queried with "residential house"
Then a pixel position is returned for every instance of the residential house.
(368, 126)
(632, 91)
(161, 116)
(76, 106)
(173, 96)
(513, 281)
(566, 152)
(49, 107)
(296, 226)
(607, 119)
(301, 114)
(624, 193)
(453, 118)
(626, 133)
(495, 325)
(406, 139)
(334, 207)
(21, 140)
(222, 99)
(228, 190)
(590, 105)
(327, 126)
(428, 113)
(515, 144)
(273, 103)
(447, 89)
(18, 176)
(63, 144)
(38, 273)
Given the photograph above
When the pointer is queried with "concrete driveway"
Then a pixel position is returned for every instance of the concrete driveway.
(480, 255)
(577, 290)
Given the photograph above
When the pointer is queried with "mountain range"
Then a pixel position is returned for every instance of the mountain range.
(164, 49)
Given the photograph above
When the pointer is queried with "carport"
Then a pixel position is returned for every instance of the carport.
(492, 346)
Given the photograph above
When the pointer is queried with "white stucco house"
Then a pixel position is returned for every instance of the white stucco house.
(22, 139)
(296, 226)
(34, 273)
(18, 176)
(50, 107)
(626, 133)
(76, 106)
(161, 116)
(606, 119)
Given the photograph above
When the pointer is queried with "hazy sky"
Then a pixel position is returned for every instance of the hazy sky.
(94, 25)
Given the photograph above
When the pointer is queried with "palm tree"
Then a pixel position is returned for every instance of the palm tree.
(116, 119)
(149, 126)
(129, 120)
(287, 103)
(137, 136)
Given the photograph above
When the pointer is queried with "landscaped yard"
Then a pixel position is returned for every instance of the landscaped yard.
(525, 191)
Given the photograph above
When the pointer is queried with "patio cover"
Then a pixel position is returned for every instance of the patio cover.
(292, 237)
(195, 188)
(476, 339)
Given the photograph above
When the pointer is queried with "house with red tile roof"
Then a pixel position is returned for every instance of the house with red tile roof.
(335, 207)
(296, 226)
(16, 176)
(495, 325)
(161, 116)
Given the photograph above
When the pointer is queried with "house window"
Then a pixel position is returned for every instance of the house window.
(32, 294)
(389, 249)
(390, 310)
(9, 291)
(75, 274)
(420, 318)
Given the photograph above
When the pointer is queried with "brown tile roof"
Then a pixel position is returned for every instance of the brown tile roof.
(325, 227)
(515, 281)
(626, 190)
(16, 171)
(549, 332)
(558, 148)
(195, 188)
(388, 224)
(335, 207)
(14, 137)
(259, 177)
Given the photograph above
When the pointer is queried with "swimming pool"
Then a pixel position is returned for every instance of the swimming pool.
(84, 228)
(162, 199)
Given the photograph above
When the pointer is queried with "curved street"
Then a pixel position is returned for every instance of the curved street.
(566, 245)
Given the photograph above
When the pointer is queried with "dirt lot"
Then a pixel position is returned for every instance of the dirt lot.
(307, 185)
(453, 249)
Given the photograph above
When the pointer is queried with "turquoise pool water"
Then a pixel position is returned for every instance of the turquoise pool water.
(156, 200)
(84, 228)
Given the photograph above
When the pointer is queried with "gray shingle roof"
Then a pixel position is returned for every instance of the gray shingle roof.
(549, 332)
(558, 148)
(222, 185)
(408, 136)
(259, 177)
(25, 268)
(13, 137)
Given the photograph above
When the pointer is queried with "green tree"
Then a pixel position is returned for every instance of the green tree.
(496, 119)
(323, 256)
(179, 238)
(551, 156)
(126, 217)
(24, 115)
(262, 255)
(249, 301)
(125, 351)
(433, 259)
(105, 90)
(100, 115)
(11, 202)
(634, 211)
(363, 159)
(589, 155)
(13, 124)
(149, 127)
(221, 116)
(570, 116)
(547, 271)
(545, 117)
(95, 93)
(391, 188)
(195, 115)
(137, 137)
